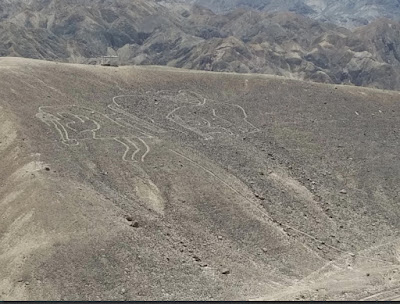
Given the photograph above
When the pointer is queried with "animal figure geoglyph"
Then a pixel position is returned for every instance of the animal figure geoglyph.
(136, 119)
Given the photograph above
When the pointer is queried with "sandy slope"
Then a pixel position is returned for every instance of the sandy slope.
(242, 186)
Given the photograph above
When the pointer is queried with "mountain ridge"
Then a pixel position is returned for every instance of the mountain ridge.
(343, 12)
(186, 36)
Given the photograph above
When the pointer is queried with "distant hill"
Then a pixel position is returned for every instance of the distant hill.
(286, 38)
(347, 13)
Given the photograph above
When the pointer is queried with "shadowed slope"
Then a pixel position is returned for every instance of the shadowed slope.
(286, 38)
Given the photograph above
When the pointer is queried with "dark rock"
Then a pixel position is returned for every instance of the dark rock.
(135, 224)
(260, 197)
(225, 271)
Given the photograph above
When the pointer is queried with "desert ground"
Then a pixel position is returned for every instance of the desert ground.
(154, 183)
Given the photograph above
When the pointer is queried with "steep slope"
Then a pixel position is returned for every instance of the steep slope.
(290, 45)
(163, 184)
(84, 29)
(346, 13)
(191, 36)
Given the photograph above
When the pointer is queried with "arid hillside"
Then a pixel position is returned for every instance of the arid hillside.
(347, 13)
(151, 183)
(273, 37)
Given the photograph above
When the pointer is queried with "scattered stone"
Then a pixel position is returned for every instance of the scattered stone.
(343, 191)
(129, 218)
(135, 225)
(47, 169)
(260, 197)
(196, 258)
(265, 250)
(123, 290)
(220, 238)
(225, 271)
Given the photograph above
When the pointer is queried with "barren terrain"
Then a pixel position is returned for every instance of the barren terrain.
(283, 37)
(150, 183)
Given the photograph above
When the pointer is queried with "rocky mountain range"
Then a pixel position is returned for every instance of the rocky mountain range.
(347, 13)
(304, 39)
